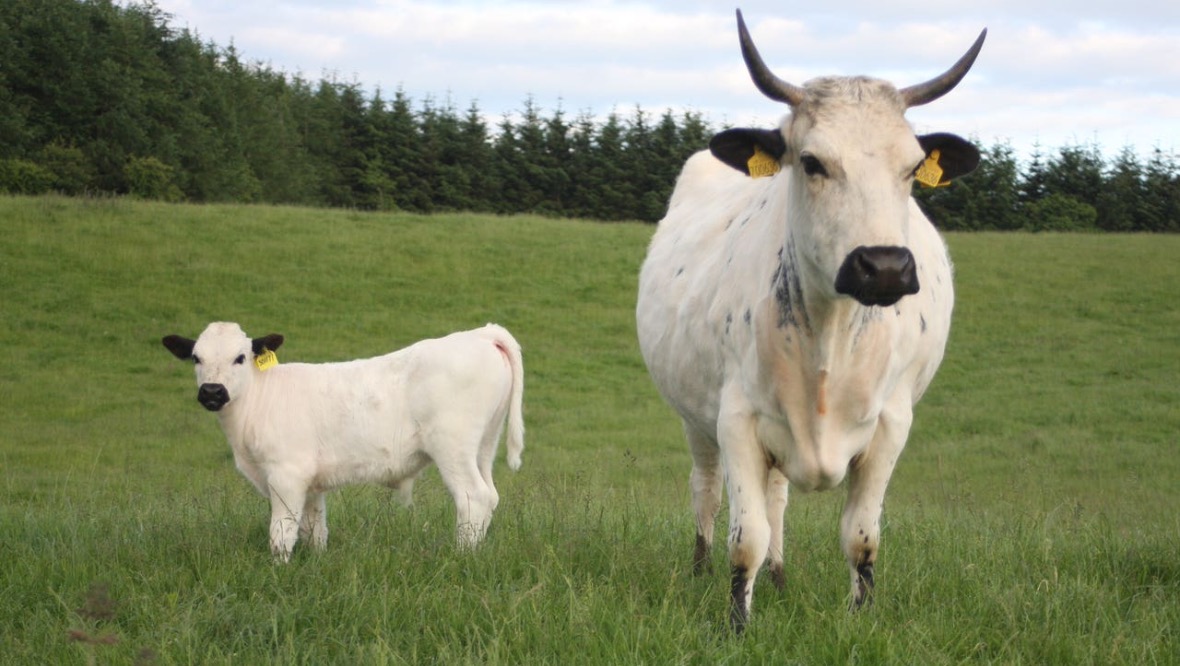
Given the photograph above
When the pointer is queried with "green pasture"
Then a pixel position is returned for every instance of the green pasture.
(1032, 520)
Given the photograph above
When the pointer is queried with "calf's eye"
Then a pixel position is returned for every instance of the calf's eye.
(196, 360)
(240, 359)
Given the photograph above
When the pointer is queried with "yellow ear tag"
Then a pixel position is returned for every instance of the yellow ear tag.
(930, 174)
(761, 164)
(266, 360)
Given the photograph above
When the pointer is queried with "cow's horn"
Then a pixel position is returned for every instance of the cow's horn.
(942, 84)
(770, 85)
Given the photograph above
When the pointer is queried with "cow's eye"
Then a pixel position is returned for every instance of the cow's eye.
(240, 359)
(196, 360)
(811, 165)
(917, 166)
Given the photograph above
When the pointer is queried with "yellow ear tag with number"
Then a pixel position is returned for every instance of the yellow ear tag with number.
(761, 164)
(266, 360)
(930, 174)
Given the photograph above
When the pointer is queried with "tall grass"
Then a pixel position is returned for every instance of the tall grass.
(1032, 519)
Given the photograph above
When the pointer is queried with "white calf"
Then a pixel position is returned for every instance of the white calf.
(298, 430)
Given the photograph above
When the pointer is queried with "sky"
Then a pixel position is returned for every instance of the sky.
(1051, 74)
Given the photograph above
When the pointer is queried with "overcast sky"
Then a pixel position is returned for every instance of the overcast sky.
(1053, 73)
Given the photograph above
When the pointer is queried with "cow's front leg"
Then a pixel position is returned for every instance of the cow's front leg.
(286, 513)
(749, 531)
(776, 507)
(860, 525)
(313, 526)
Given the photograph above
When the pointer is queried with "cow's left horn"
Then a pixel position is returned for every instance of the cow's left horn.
(770, 85)
(940, 85)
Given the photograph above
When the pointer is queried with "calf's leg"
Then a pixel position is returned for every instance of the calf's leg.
(286, 513)
(313, 526)
(475, 500)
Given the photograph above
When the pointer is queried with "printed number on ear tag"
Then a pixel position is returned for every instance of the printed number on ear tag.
(930, 174)
(266, 360)
(761, 164)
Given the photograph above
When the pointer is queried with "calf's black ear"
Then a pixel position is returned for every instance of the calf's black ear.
(737, 146)
(956, 155)
(181, 348)
(271, 342)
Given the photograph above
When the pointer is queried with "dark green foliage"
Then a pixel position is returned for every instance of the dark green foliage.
(137, 107)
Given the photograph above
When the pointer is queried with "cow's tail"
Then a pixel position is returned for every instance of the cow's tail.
(510, 348)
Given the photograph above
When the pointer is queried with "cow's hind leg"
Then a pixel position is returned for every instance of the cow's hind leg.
(313, 526)
(860, 525)
(405, 490)
(475, 499)
(706, 482)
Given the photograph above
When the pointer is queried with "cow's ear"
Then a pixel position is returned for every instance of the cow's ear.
(754, 152)
(271, 342)
(181, 348)
(956, 155)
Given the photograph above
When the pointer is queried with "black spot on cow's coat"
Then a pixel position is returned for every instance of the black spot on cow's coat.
(788, 292)
(746, 316)
(922, 322)
(728, 321)
(679, 271)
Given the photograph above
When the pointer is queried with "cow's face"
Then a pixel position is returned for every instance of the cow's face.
(848, 158)
(223, 356)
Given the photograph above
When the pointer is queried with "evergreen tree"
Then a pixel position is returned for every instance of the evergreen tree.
(993, 199)
(1122, 193)
(1033, 179)
(613, 198)
(475, 152)
(1161, 201)
(1076, 172)
(556, 180)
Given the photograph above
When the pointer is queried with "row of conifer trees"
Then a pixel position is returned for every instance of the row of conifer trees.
(137, 107)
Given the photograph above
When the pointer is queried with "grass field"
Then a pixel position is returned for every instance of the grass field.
(1032, 520)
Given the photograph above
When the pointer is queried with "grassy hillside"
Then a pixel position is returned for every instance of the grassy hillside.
(1031, 520)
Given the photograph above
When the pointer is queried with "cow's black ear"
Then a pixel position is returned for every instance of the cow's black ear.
(271, 342)
(736, 146)
(181, 348)
(956, 155)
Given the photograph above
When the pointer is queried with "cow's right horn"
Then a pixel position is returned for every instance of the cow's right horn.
(940, 85)
(770, 85)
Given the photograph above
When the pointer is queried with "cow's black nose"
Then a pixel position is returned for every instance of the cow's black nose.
(212, 396)
(878, 275)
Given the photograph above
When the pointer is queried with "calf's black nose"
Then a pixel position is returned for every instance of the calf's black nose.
(878, 275)
(212, 396)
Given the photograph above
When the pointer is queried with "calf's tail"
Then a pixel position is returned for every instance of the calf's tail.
(510, 348)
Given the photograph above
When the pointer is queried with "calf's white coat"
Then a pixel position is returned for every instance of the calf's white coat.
(298, 430)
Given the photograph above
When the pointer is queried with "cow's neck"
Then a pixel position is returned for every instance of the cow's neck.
(823, 329)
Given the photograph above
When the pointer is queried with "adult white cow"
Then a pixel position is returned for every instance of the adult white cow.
(794, 320)
(298, 430)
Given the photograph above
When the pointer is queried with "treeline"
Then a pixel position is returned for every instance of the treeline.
(97, 98)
